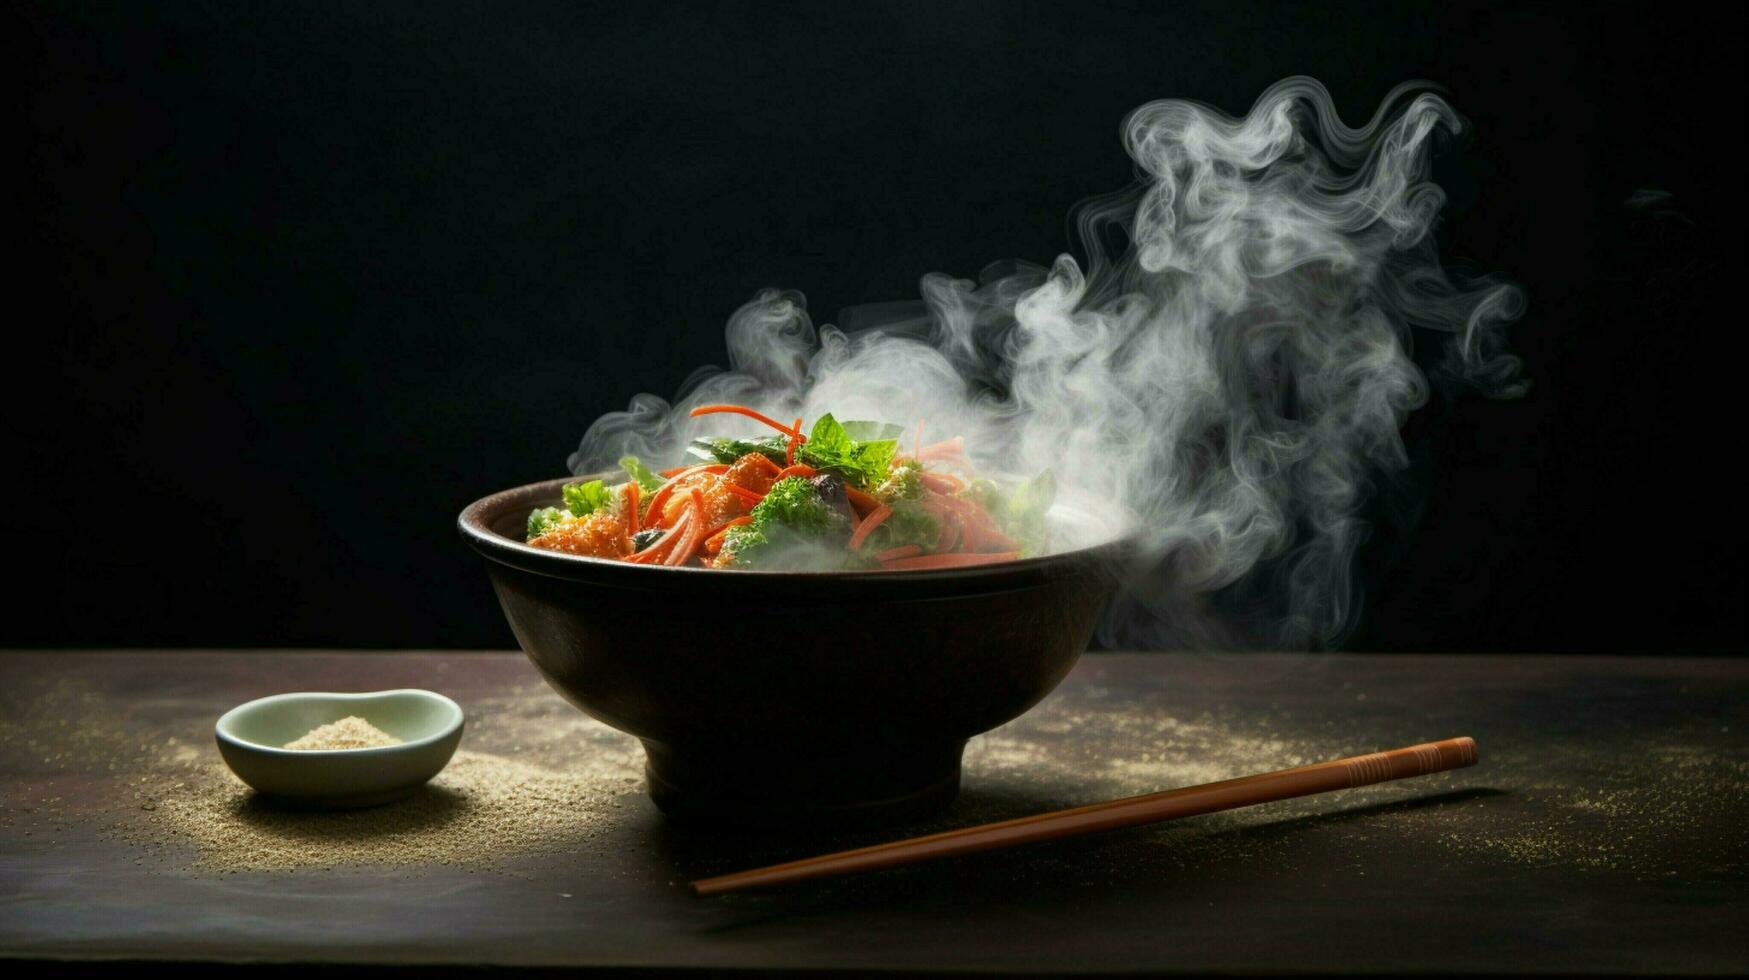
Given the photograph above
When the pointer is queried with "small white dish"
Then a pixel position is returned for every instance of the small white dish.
(252, 737)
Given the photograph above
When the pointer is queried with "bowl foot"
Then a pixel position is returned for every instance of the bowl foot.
(777, 789)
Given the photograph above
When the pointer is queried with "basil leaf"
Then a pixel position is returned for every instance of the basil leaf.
(864, 431)
(829, 440)
(872, 458)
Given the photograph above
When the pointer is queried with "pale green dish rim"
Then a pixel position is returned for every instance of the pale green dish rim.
(224, 729)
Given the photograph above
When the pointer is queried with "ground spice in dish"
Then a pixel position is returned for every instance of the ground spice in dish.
(350, 732)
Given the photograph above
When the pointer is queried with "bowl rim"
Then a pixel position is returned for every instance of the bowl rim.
(451, 726)
(473, 523)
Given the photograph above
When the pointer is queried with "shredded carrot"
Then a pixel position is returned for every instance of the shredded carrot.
(751, 496)
(941, 482)
(949, 447)
(631, 505)
(684, 550)
(795, 439)
(655, 551)
(869, 523)
(723, 527)
(902, 551)
(713, 539)
(861, 501)
(980, 528)
(947, 561)
(661, 496)
(744, 410)
(949, 538)
(800, 469)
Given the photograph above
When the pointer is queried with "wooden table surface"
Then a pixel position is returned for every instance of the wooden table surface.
(1606, 829)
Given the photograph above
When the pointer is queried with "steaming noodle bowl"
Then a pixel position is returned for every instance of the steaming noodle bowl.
(1220, 378)
(842, 495)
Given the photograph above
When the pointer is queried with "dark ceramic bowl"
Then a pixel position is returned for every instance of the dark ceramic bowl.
(792, 698)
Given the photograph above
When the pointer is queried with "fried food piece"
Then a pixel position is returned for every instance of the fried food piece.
(600, 535)
(751, 472)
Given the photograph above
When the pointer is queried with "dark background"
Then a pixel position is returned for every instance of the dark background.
(301, 280)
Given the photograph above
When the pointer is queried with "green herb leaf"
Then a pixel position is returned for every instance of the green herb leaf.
(829, 438)
(583, 499)
(872, 459)
(635, 468)
(544, 519)
(716, 450)
(865, 431)
(862, 464)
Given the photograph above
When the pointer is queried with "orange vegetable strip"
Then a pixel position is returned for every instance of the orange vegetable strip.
(632, 507)
(902, 551)
(751, 496)
(942, 482)
(795, 439)
(724, 527)
(947, 561)
(861, 501)
(744, 410)
(869, 523)
(949, 538)
(971, 535)
(655, 551)
(948, 447)
(981, 528)
(799, 469)
(689, 544)
(1000, 541)
(661, 497)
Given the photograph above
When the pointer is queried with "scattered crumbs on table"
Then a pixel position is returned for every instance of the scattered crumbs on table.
(538, 777)
(182, 810)
(480, 811)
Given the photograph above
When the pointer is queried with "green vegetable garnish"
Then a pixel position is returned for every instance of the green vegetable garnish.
(730, 450)
(908, 524)
(902, 482)
(864, 431)
(793, 527)
(647, 479)
(862, 464)
(583, 499)
(544, 519)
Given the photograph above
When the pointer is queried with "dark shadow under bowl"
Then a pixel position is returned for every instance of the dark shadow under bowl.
(792, 698)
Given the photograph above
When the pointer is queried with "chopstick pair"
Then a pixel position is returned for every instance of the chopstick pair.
(1228, 794)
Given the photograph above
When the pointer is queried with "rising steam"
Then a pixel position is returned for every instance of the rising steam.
(1226, 389)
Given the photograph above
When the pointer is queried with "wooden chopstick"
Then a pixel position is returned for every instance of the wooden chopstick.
(1228, 794)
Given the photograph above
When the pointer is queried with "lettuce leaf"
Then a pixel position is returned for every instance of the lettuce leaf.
(635, 468)
(583, 499)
